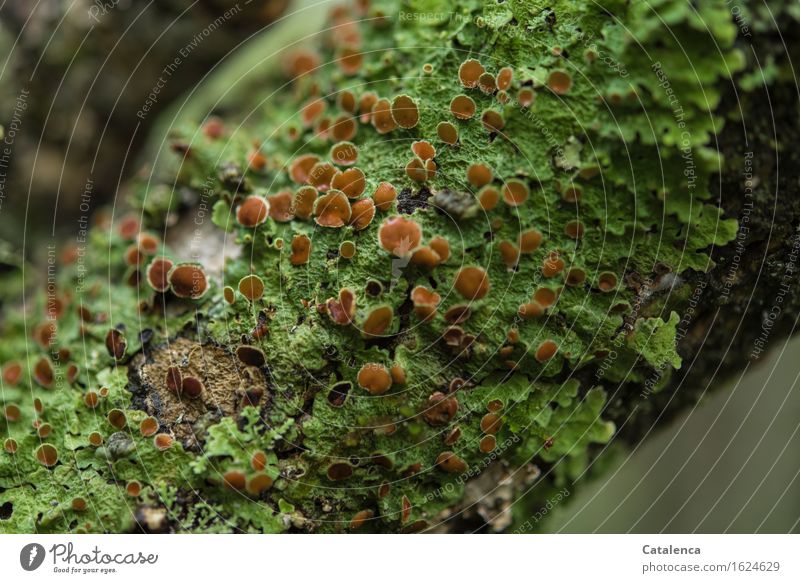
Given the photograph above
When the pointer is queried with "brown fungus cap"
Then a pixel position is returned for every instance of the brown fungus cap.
(188, 280)
(472, 282)
(400, 236)
(374, 378)
(332, 210)
(253, 211)
(384, 196)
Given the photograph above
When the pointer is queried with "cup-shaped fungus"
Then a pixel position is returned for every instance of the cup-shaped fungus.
(344, 128)
(382, 119)
(575, 276)
(188, 280)
(250, 355)
(546, 351)
(385, 194)
(545, 297)
(281, 206)
(259, 483)
(43, 373)
(440, 409)
(365, 105)
(363, 211)
(321, 175)
(253, 211)
(192, 387)
(479, 175)
(488, 197)
(116, 344)
(343, 309)
(148, 426)
(173, 380)
(458, 314)
(572, 193)
(339, 471)
(375, 378)
(574, 230)
(487, 83)
(351, 182)
(332, 210)
(425, 302)
(405, 111)
(344, 153)
(423, 150)
(491, 423)
(304, 200)
(607, 282)
(447, 132)
(377, 321)
(300, 168)
(399, 236)
(301, 250)
(509, 252)
(252, 287)
(12, 372)
(47, 455)
(162, 441)
(469, 72)
(504, 78)
(560, 82)
(462, 107)
(425, 257)
(234, 479)
(349, 60)
(472, 282)
(552, 265)
(530, 310)
(451, 463)
(493, 121)
(529, 241)
(515, 192)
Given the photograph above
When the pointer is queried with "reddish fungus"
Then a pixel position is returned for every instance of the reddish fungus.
(128, 227)
(351, 182)
(350, 60)
(252, 287)
(250, 355)
(423, 150)
(451, 463)
(157, 274)
(321, 175)
(488, 197)
(344, 154)
(346, 100)
(545, 297)
(469, 72)
(398, 374)
(440, 409)
(447, 132)
(399, 236)
(213, 128)
(374, 378)
(188, 280)
(574, 230)
(530, 310)
(300, 168)
(281, 206)
(457, 314)
(91, 399)
(259, 483)
(366, 105)
(360, 518)
(10, 445)
(12, 413)
(560, 82)
(504, 78)
(253, 211)
(47, 455)
(462, 107)
(304, 200)
(116, 344)
(162, 441)
(479, 175)
(384, 196)
(347, 250)
(117, 418)
(529, 241)
(43, 373)
(332, 210)
(553, 265)
(491, 423)
(234, 479)
(425, 302)
(377, 321)
(493, 121)
(546, 351)
(487, 443)
(572, 194)
(526, 96)
(575, 276)
(301, 250)
(12, 372)
(133, 488)
(487, 83)
(515, 192)
(173, 380)
(344, 128)
(425, 257)
(95, 439)
(382, 119)
(148, 426)
(191, 387)
(472, 282)
(509, 253)
(228, 294)
(607, 282)
(441, 246)
(405, 111)
(339, 471)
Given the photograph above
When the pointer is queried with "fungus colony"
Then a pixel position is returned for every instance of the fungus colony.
(418, 263)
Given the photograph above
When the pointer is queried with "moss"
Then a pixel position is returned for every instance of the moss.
(639, 183)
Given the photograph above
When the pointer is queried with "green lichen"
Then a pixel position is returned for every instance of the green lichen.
(634, 137)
